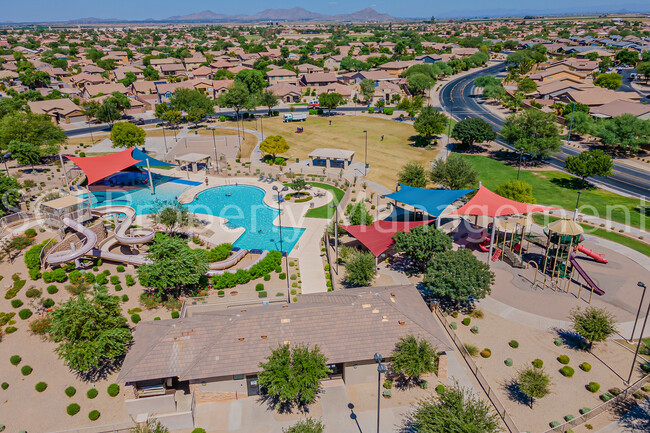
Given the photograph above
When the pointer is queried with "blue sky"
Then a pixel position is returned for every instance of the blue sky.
(48, 10)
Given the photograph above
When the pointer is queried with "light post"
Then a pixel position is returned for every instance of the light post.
(381, 368)
(336, 234)
(640, 284)
(365, 159)
(92, 138)
(164, 137)
(262, 126)
(521, 156)
(286, 261)
(451, 117)
(575, 213)
(568, 138)
(216, 156)
(638, 345)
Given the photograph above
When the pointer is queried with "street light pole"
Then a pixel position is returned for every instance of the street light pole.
(216, 156)
(568, 138)
(365, 159)
(286, 261)
(640, 284)
(164, 137)
(638, 345)
(575, 213)
(336, 235)
(381, 368)
(521, 156)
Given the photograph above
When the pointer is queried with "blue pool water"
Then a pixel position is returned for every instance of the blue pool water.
(242, 205)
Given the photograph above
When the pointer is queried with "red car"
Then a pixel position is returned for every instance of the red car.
(314, 105)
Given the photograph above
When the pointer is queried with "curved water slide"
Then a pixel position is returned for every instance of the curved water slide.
(122, 233)
(73, 254)
(219, 268)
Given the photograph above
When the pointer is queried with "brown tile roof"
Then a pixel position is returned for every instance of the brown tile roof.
(348, 326)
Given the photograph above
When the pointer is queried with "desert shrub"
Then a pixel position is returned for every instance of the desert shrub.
(26, 370)
(387, 393)
(47, 302)
(70, 391)
(150, 300)
(440, 388)
(569, 417)
(514, 344)
(267, 277)
(567, 371)
(563, 359)
(34, 274)
(466, 321)
(120, 268)
(424, 384)
(11, 329)
(638, 395)
(558, 342)
(388, 111)
(486, 353)
(40, 386)
(113, 389)
(16, 303)
(59, 275)
(508, 362)
(554, 424)
(388, 384)
(89, 277)
(15, 360)
(538, 363)
(51, 289)
(40, 325)
(585, 366)
(198, 430)
(130, 281)
(283, 276)
(593, 386)
(118, 288)
(73, 409)
(219, 253)
(474, 329)
(606, 396)
(125, 298)
(93, 415)
(33, 293)
(584, 410)
(454, 314)
(471, 349)
(135, 318)
(4, 385)
(476, 313)
(30, 232)
(615, 391)
(259, 287)
(175, 315)
(92, 393)
(262, 294)
(101, 279)
(115, 279)
(25, 313)
(453, 325)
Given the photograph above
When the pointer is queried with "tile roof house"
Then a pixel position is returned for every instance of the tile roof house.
(92, 90)
(318, 79)
(60, 110)
(619, 107)
(287, 92)
(598, 96)
(281, 75)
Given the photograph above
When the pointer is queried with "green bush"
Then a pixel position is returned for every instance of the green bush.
(33, 293)
(371, 110)
(156, 318)
(93, 415)
(514, 344)
(615, 391)
(486, 353)
(125, 298)
(261, 295)
(118, 288)
(130, 281)
(135, 318)
(70, 391)
(4, 385)
(73, 409)
(115, 279)
(198, 430)
(584, 410)
(267, 277)
(220, 293)
(92, 393)
(219, 253)
(16, 303)
(25, 313)
(554, 424)
(567, 371)
(120, 268)
(606, 396)
(508, 362)
(259, 287)
(558, 342)
(585, 366)
(538, 363)
(294, 277)
(388, 111)
(593, 386)
(89, 277)
(47, 302)
(453, 325)
(424, 384)
(474, 329)
(59, 275)
(11, 329)
(40, 386)
(387, 393)
(26, 370)
(282, 276)
(175, 315)
(563, 359)
(15, 360)
(113, 389)
(568, 418)
(51, 289)
(466, 321)
(388, 384)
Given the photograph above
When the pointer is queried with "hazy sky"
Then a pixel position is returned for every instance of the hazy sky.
(48, 10)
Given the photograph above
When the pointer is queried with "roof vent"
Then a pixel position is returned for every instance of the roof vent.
(384, 318)
(243, 310)
(285, 306)
(241, 338)
(263, 337)
(401, 322)
(366, 306)
(375, 311)
(285, 320)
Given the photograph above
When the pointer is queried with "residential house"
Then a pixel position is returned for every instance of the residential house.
(558, 73)
(93, 90)
(318, 79)
(397, 67)
(288, 93)
(195, 61)
(120, 72)
(376, 76)
(173, 70)
(463, 52)
(308, 68)
(281, 75)
(84, 79)
(60, 110)
(142, 87)
(619, 107)
(598, 96)
(333, 63)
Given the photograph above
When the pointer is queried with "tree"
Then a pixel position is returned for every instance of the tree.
(274, 145)
(172, 116)
(604, 64)
(252, 79)
(358, 214)
(190, 99)
(533, 132)
(419, 83)
(151, 74)
(129, 78)
(235, 97)
(582, 122)
(413, 174)
(34, 79)
(298, 184)
(516, 190)
(367, 89)
(175, 265)
(593, 324)
(125, 134)
(195, 115)
(330, 100)
(36, 129)
(9, 192)
(533, 382)
(625, 131)
(268, 99)
(430, 122)
(643, 69)
(25, 153)
(473, 130)
(610, 81)
(526, 85)
(308, 425)
(91, 330)
(627, 57)
(494, 91)
(413, 357)
(487, 80)
(171, 214)
(589, 163)
(455, 409)
(411, 106)
(360, 269)
(422, 243)
(454, 173)
(292, 375)
(454, 276)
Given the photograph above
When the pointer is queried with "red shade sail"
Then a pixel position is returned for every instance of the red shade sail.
(378, 237)
(99, 167)
(487, 203)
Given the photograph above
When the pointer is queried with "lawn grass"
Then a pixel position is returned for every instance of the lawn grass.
(385, 158)
(557, 189)
(325, 211)
(639, 246)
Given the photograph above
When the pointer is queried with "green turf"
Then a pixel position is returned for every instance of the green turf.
(639, 246)
(325, 211)
(554, 188)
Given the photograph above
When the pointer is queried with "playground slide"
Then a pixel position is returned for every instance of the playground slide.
(221, 271)
(136, 236)
(70, 255)
(584, 275)
(230, 261)
(120, 258)
(600, 258)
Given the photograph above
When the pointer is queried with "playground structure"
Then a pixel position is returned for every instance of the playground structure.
(509, 239)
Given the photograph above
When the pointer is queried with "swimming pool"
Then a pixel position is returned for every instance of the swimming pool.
(242, 205)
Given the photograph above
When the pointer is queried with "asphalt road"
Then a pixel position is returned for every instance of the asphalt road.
(457, 98)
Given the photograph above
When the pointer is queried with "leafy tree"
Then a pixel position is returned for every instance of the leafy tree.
(626, 131)
(533, 382)
(188, 99)
(422, 243)
(360, 269)
(292, 375)
(125, 134)
(413, 357)
(367, 89)
(430, 122)
(9, 191)
(175, 265)
(526, 85)
(172, 116)
(610, 81)
(420, 83)
(298, 184)
(268, 99)
(90, 330)
(517, 190)
(593, 324)
(604, 64)
(330, 100)
(235, 97)
(36, 129)
(252, 79)
(533, 132)
(358, 215)
(455, 409)
(171, 214)
(413, 174)
(195, 115)
(151, 74)
(473, 130)
(627, 57)
(10, 105)
(494, 91)
(589, 163)
(453, 276)
(643, 69)
(454, 173)
(129, 78)
(25, 153)
(411, 106)
(274, 145)
(582, 123)
(487, 80)
(308, 425)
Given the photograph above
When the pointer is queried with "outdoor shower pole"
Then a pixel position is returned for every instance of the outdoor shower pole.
(640, 284)
(638, 345)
